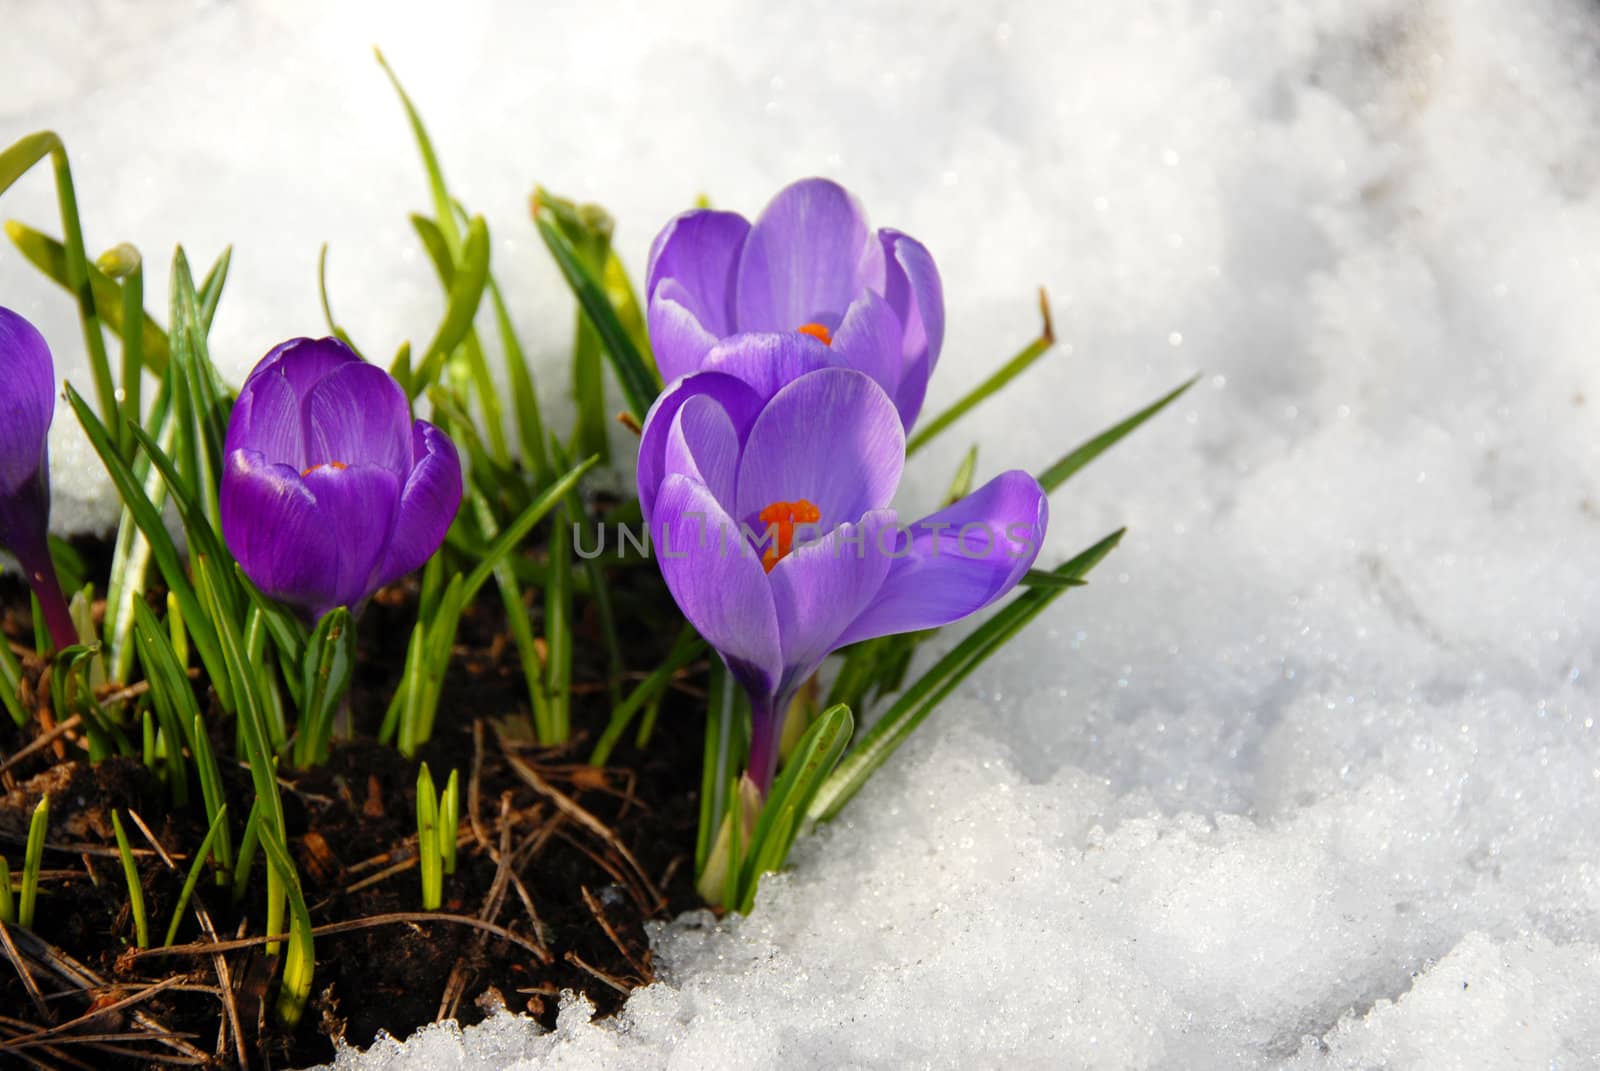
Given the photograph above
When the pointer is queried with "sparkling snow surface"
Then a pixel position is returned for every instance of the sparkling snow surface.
(1309, 776)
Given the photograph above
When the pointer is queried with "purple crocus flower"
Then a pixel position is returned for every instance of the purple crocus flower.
(771, 523)
(27, 404)
(864, 299)
(329, 489)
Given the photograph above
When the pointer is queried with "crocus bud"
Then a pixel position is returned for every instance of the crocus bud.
(27, 402)
(329, 489)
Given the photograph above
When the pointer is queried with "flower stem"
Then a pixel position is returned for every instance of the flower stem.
(35, 561)
(766, 732)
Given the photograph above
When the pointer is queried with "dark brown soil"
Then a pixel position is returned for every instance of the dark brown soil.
(560, 863)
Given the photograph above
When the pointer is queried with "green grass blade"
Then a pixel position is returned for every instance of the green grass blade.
(688, 647)
(727, 729)
(430, 162)
(14, 161)
(211, 289)
(461, 305)
(449, 820)
(516, 614)
(430, 860)
(1003, 375)
(920, 699)
(130, 872)
(524, 397)
(327, 668)
(148, 518)
(33, 862)
(219, 826)
(327, 306)
(640, 384)
(815, 757)
(514, 533)
(1058, 474)
(8, 900)
(50, 257)
(124, 264)
(300, 961)
(11, 685)
(173, 696)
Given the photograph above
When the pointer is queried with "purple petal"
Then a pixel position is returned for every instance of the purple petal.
(718, 582)
(678, 341)
(737, 400)
(266, 419)
(805, 259)
(428, 503)
(305, 361)
(267, 415)
(27, 400)
(769, 362)
(275, 531)
(960, 559)
(358, 415)
(823, 585)
(832, 438)
(868, 340)
(358, 504)
(913, 290)
(700, 251)
(704, 446)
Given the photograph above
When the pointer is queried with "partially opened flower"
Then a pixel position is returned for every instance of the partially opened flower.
(863, 299)
(330, 490)
(27, 404)
(772, 526)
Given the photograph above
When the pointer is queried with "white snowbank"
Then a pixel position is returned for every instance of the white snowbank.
(1308, 775)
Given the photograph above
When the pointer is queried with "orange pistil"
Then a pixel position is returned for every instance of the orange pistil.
(780, 519)
(817, 331)
(336, 465)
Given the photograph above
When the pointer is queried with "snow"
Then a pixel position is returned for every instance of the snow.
(1307, 777)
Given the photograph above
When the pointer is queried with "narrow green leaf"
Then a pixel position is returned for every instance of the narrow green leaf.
(11, 685)
(802, 778)
(16, 160)
(727, 731)
(211, 289)
(327, 667)
(688, 647)
(920, 699)
(430, 859)
(300, 961)
(516, 614)
(449, 820)
(8, 901)
(124, 264)
(327, 305)
(219, 826)
(130, 872)
(33, 861)
(50, 257)
(1040, 578)
(639, 384)
(990, 386)
(430, 161)
(461, 305)
(524, 398)
(1081, 455)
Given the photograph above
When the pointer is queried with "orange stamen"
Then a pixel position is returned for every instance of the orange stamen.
(817, 331)
(780, 518)
(337, 465)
